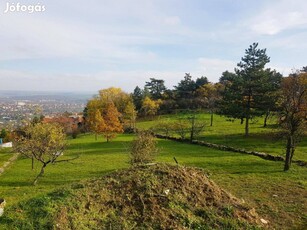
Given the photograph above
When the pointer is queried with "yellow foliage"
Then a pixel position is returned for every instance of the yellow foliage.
(150, 107)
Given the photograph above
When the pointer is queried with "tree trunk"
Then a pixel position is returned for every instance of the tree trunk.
(242, 120)
(247, 126)
(288, 154)
(32, 159)
(40, 174)
(211, 120)
(266, 118)
(192, 129)
(248, 109)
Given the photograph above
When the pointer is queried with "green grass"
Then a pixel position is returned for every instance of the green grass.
(5, 154)
(251, 178)
(231, 133)
(96, 158)
(278, 196)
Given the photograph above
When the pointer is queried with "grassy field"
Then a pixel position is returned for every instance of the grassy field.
(5, 154)
(277, 196)
(96, 158)
(231, 133)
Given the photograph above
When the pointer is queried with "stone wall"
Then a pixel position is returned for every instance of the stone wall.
(263, 155)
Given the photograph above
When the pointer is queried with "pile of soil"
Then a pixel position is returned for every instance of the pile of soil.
(156, 196)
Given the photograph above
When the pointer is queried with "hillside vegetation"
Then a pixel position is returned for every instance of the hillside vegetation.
(230, 132)
(277, 196)
(156, 196)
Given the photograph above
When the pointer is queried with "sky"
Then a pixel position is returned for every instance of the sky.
(85, 46)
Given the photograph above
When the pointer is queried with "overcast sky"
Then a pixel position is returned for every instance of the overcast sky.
(94, 44)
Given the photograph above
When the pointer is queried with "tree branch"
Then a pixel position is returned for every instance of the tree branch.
(67, 160)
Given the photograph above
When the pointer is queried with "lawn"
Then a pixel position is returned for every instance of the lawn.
(231, 133)
(96, 158)
(278, 196)
(5, 154)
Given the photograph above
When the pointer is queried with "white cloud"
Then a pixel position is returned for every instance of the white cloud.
(172, 21)
(213, 68)
(279, 16)
(124, 43)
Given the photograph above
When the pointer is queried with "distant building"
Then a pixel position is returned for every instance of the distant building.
(6, 145)
(21, 103)
(69, 124)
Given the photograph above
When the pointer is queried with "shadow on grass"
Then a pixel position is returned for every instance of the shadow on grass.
(98, 147)
(268, 137)
(242, 168)
(16, 183)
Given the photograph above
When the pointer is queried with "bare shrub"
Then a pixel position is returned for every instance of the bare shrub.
(143, 148)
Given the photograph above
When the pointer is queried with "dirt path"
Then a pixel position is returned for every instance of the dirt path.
(6, 164)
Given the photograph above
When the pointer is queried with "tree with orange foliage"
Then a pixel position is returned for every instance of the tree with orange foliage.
(294, 107)
(112, 124)
(96, 122)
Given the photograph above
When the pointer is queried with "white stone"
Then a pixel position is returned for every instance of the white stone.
(264, 221)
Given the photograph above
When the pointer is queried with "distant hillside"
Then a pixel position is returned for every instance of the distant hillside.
(48, 95)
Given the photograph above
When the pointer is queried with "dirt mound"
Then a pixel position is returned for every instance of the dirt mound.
(154, 197)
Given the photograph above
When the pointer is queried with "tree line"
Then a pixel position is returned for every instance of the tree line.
(250, 91)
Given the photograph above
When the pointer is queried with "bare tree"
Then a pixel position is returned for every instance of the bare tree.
(293, 115)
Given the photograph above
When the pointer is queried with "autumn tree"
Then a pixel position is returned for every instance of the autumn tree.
(212, 95)
(115, 107)
(43, 142)
(96, 122)
(115, 95)
(293, 115)
(150, 107)
(112, 124)
(130, 115)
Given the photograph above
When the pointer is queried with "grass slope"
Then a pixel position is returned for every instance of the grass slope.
(231, 133)
(277, 196)
(5, 155)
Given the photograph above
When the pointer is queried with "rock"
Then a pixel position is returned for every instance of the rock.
(2, 205)
(264, 221)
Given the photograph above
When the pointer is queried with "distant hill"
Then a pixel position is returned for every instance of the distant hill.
(48, 95)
